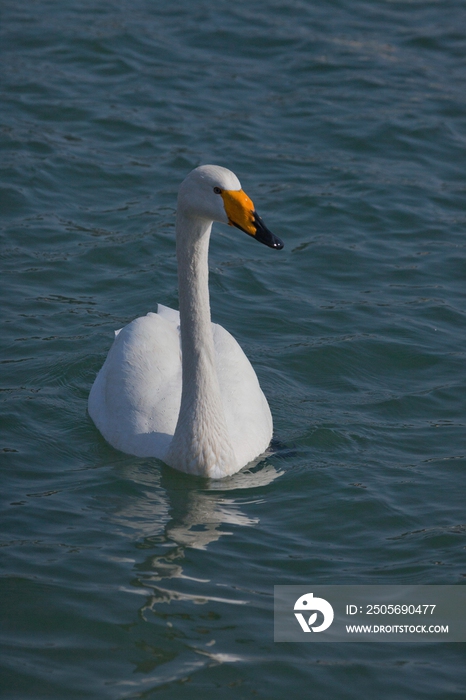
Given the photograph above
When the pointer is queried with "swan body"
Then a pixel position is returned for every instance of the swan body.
(176, 386)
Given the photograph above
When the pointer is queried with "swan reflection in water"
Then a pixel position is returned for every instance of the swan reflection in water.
(171, 508)
(185, 599)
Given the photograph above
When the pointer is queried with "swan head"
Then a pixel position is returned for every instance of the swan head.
(213, 193)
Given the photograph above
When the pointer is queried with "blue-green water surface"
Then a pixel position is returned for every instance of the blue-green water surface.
(345, 121)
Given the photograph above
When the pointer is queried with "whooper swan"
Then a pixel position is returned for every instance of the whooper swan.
(195, 404)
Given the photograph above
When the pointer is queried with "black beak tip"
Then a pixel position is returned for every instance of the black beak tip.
(277, 243)
(263, 235)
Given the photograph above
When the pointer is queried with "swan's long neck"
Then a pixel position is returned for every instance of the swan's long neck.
(201, 444)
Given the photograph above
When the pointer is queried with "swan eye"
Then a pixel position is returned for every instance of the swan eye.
(217, 190)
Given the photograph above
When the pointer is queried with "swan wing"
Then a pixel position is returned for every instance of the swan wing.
(247, 412)
(135, 399)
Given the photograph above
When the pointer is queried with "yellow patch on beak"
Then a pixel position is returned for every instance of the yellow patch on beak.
(240, 210)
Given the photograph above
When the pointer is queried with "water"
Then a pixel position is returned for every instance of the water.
(346, 123)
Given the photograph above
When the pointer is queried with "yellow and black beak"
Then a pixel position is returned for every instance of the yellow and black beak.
(241, 213)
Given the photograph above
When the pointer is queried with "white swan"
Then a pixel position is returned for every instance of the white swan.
(196, 405)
